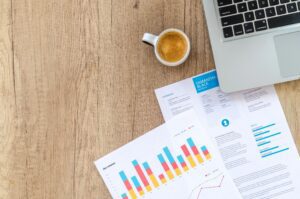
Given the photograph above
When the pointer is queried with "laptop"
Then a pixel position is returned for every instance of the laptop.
(254, 42)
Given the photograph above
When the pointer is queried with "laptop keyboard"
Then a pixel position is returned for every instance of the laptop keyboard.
(244, 17)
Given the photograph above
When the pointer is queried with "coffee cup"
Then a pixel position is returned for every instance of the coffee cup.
(171, 47)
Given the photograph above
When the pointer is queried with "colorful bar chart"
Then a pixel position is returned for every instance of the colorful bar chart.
(150, 174)
(127, 185)
(165, 166)
(137, 185)
(188, 155)
(195, 150)
(145, 180)
(206, 152)
(182, 163)
(172, 161)
(141, 175)
(162, 178)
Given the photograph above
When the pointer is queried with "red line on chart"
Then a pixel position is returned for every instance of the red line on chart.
(211, 187)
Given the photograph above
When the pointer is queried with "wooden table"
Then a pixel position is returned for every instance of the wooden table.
(76, 82)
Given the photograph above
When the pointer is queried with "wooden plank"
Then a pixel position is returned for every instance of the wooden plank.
(8, 117)
(56, 56)
(289, 95)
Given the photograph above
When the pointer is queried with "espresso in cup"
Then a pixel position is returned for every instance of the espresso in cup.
(171, 47)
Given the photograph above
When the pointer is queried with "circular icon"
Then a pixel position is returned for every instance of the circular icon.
(225, 122)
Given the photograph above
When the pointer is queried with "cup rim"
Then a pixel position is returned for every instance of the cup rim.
(184, 58)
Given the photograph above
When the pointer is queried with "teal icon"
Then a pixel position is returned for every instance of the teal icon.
(225, 122)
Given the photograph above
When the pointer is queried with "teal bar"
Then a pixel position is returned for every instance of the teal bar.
(191, 142)
(135, 182)
(265, 150)
(180, 159)
(257, 140)
(263, 127)
(258, 134)
(275, 152)
(169, 155)
(264, 143)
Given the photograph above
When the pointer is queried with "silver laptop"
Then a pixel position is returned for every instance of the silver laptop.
(254, 42)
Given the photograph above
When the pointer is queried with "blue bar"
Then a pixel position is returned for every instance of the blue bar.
(203, 148)
(275, 152)
(265, 150)
(135, 182)
(258, 134)
(263, 127)
(123, 176)
(180, 159)
(161, 158)
(135, 163)
(191, 142)
(146, 165)
(124, 195)
(267, 137)
(261, 144)
(169, 155)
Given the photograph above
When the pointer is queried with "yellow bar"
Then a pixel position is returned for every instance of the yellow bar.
(132, 194)
(170, 175)
(148, 188)
(192, 162)
(163, 180)
(185, 168)
(141, 193)
(199, 158)
(154, 181)
(208, 156)
(178, 172)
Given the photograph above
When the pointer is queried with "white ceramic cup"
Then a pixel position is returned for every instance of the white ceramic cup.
(153, 40)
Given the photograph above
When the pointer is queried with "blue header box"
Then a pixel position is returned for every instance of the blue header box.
(206, 81)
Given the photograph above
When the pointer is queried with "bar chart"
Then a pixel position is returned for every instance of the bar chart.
(170, 161)
(268, 140)
(145, 180)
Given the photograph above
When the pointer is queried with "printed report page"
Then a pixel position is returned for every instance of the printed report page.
(175, 160)
(249, 129)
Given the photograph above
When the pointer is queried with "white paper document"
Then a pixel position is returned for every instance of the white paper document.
(248, 128)
(176, 160)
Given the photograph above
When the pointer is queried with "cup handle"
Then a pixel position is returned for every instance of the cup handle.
(150, 39)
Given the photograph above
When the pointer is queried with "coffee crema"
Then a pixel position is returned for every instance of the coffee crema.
(172, 46)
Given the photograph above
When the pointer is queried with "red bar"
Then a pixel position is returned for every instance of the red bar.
(185, 150)
(139, 189)
(141, 174)
(128, 186)
(205, 152)
(195, 150)
(174, 165)
(149, 172)
(165, 166)
(161, 176)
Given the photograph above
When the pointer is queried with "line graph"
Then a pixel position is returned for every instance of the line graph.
(210, 187)
(208, 184)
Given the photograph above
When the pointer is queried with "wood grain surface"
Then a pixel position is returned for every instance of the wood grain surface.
(76, 82)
